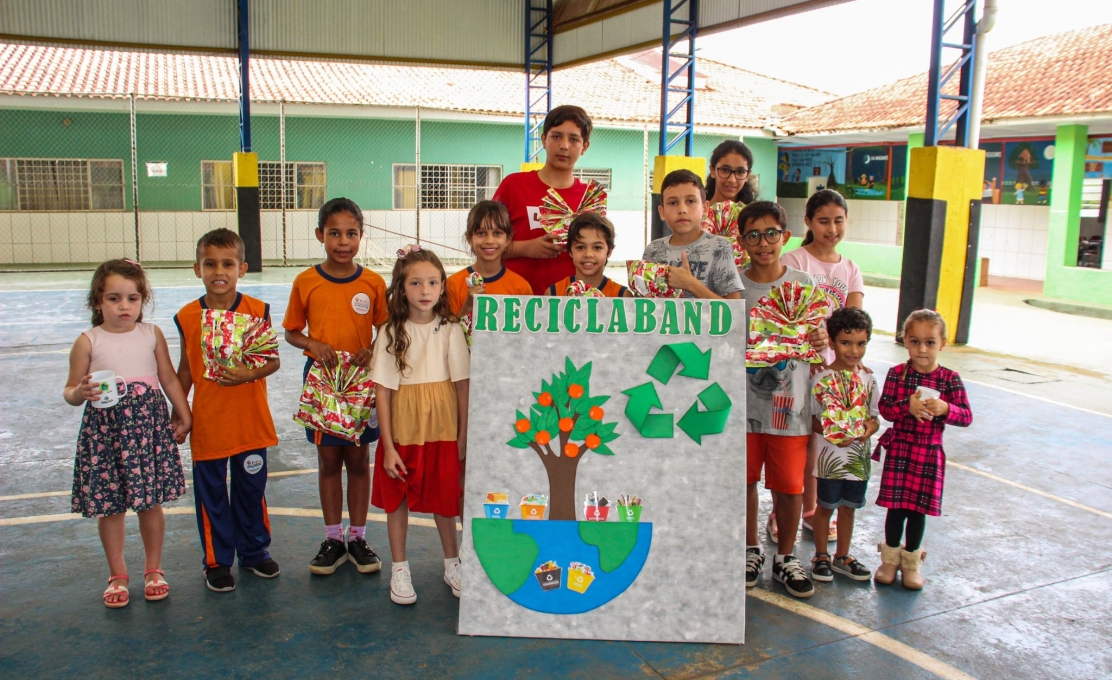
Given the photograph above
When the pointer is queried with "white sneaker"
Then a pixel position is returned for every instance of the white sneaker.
(401, 587)
(452, 578)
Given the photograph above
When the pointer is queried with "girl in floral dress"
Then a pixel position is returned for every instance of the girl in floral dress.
(920, 398)
(127, 453)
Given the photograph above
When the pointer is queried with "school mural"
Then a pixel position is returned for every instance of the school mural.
(801, 172)
(867, 169)
(871, 173)
(1028, 172)
(1098, 158)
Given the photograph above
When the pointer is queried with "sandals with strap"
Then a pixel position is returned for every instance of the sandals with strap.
(117, 590)
(156, 582)
(806, 520)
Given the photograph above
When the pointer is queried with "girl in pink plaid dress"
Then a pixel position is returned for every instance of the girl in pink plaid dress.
(920, 398)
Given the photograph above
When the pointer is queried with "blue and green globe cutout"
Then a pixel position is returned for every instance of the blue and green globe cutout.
(511, 551)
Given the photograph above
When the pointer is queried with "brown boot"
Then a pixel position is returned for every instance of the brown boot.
(890, 564)
(909, 565)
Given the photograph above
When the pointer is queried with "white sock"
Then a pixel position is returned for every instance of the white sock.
(450, 562)
(779, 559)
(401, 566)
(759, 548)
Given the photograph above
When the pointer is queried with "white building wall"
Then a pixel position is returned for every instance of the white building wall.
(1014, 239)
(878, 222)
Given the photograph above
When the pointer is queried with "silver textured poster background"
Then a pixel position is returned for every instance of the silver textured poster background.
(691, 588)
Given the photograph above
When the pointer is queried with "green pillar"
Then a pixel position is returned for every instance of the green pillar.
(1064, 225)
(914, 141)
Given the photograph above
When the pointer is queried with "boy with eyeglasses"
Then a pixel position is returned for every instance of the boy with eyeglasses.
(700, 264)
(778, 407)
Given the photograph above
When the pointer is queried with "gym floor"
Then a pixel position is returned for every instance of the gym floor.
(1015, 574)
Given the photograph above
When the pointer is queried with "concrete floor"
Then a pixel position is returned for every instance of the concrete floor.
(1016, 572)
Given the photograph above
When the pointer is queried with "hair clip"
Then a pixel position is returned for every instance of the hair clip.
(406, 251)
(130, 261)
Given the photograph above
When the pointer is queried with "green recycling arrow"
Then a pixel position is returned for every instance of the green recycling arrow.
(697, 423)
(696, 364)
(642, 400)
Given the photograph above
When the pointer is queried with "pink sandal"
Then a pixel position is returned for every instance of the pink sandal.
(156, 582)
(117, 590)
(806, 518)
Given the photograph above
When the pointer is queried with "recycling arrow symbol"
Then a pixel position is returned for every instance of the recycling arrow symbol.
(695, 423)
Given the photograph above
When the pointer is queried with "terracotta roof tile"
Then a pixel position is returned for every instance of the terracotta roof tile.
(611, 90)
(1063, 74)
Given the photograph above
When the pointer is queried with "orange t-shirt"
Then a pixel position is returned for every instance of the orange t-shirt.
(505, 282)
(226, 420)
(608, 287)
(342, 313)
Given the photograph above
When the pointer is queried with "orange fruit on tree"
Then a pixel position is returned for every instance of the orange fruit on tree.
(575, 391)
(596, 413)
(593, 441)
(545, 399)
(566, 424)
(522, 425)
(542, 437)
(571, 450)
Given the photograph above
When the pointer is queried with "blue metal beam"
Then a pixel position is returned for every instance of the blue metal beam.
(244, 80)
(671, 123)
(538, 73)
(936, 126)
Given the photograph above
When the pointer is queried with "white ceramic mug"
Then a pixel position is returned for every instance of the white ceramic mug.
(110, 392)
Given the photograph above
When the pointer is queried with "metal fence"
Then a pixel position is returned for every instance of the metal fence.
(84, 179)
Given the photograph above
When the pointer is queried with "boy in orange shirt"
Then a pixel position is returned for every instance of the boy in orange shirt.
(342, 303)
(231, 423)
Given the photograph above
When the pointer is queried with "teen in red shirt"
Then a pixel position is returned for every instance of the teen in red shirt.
(532, 254)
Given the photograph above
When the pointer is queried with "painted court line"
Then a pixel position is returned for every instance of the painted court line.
(890, 645)
(276, 512)
(53, 494)
(1017, 485)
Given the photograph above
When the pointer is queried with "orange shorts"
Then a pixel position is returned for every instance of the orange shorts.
(783, 457)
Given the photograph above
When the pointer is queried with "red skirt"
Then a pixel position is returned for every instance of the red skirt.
(424, 424)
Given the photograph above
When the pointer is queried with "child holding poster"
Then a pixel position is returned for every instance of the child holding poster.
(421, 369)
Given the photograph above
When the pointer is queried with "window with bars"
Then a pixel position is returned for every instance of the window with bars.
(600, 175)
(305, 185)
(444, 187)
(61, 184)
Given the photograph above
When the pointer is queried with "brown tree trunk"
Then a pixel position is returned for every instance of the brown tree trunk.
(561, 487)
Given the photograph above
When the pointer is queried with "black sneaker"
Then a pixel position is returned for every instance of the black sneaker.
(791, 573)
(848, 566)
(220, 580)
(332, 554)
(365, 559)
(754, 564)
(268, 568)
(820, 568)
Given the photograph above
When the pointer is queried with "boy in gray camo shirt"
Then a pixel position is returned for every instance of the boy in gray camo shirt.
(700, 264)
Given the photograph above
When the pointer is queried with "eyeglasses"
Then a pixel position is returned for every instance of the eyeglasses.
(725, 171)
(752, 238)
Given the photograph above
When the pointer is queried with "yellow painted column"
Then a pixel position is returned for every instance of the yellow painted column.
(943, 181)
(662, 165)
(530, 167)
(245, 177)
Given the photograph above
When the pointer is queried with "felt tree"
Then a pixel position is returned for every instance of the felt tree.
(564, 423)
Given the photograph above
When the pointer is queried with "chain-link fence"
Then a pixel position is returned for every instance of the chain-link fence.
(84, 179)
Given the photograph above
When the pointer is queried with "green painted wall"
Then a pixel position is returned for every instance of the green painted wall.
(764, 164)
(1064, 279)
(871, 258)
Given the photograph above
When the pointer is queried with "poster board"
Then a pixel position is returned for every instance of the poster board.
(655, 390)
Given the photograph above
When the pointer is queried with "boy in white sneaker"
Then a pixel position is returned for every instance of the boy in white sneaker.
(843, 471)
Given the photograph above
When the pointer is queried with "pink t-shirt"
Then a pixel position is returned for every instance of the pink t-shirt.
(838, 279)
